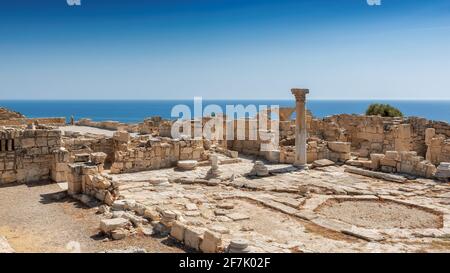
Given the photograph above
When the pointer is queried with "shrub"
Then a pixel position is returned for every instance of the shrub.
(384, 110)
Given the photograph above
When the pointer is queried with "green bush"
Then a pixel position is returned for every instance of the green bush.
(384, 110)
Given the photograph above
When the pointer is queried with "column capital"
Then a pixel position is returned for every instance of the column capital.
(300, 94)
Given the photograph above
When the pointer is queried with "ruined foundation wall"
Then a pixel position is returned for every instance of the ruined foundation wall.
(22, 122)
(77, 144)
(154, 154)
(29, 155)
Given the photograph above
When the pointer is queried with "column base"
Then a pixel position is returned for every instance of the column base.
(301, 166)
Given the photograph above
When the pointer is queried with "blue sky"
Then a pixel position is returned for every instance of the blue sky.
(239, 49)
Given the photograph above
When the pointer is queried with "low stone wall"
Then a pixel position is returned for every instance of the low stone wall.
(109, 125)
(86, 181)
(76, 143)
(403, 162)
(30, 155)
(318, 149)
(438, 147)
(156, 153)
(30, 121)
(367, 134)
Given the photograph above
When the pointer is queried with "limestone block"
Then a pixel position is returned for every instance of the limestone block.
(152, 214)
(28, 143)
(41, 142)
(177, 231)
(388, 162)
(192, 238)
(108, 225)
(233, 154)
(394, 155)
(211, 242)
(376, 161)
(340, 147)
(429, 135)
(322, 163)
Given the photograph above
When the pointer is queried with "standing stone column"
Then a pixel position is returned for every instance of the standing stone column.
(300, 127)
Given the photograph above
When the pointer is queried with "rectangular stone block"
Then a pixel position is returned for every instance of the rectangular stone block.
(108, 225)
(340, 147)
(177, 231)
(388, 162)
(28, 143)
(211, 242)
(192, 238)
(41, 142)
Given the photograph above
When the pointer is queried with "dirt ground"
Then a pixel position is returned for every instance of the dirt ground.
(32, 220)
(380, 214)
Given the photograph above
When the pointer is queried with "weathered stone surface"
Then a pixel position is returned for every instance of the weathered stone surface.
(211, 242)
(177, 231)
(108, 225)
(340, 147)
(384, 176)
(238, 216)
(192, 238)
(191, 207)
(364, 234)
(322, 163)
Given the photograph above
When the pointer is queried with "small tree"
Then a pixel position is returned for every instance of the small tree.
(384, 110)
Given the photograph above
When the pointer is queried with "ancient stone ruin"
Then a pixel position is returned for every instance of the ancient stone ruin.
(341, 183)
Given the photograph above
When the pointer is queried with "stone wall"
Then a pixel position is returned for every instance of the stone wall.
(86, 181)
(30, 155)
(438, 146)
(76, 143)
(139, 154)
(402, 162)
(318, 149)
(367, 134)
(23, 122)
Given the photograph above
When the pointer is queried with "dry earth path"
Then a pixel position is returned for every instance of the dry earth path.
(32, 220)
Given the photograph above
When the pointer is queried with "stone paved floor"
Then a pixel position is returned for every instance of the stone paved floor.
(89, 130)
(280, 213)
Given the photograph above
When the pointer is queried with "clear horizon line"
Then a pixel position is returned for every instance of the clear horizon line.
(239, 99)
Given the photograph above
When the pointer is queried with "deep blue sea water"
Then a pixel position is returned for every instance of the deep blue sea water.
(135, 111)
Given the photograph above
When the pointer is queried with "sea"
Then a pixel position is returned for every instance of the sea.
(133, 111)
